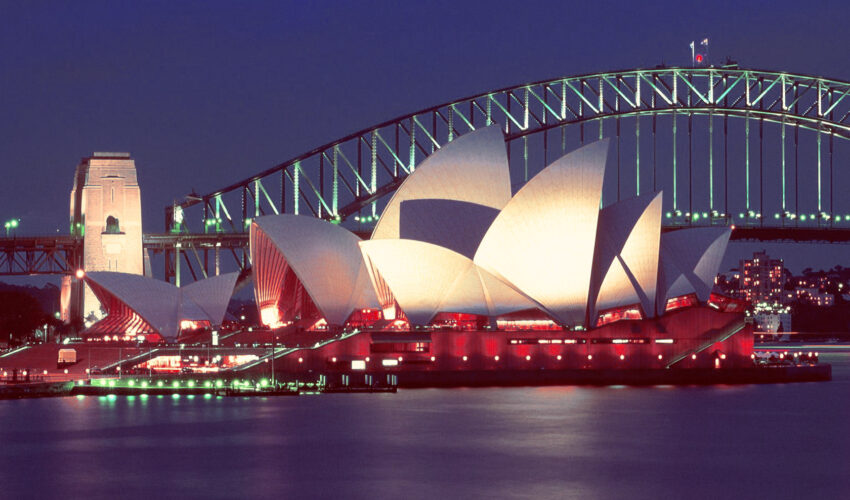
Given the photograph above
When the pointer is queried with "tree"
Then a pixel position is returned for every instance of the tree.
(20, 315)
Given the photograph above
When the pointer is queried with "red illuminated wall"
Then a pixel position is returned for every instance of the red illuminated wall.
(120, 319)
(696, 328)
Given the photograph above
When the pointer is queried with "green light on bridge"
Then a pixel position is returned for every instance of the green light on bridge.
(11, 224)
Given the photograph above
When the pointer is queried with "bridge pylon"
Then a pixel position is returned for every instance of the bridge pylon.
(106, 212)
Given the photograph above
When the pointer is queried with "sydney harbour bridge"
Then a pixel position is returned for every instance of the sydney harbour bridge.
(764, 152)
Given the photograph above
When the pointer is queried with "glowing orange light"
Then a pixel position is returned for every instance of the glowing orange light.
(80, 274)
(270, 316)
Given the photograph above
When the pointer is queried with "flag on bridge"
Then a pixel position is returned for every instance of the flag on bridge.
(699, 54)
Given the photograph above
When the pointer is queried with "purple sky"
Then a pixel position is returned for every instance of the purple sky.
(206, 93)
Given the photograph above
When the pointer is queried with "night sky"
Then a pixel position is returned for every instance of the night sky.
(206, 93)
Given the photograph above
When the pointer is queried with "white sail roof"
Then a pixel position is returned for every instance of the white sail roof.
(212, 295)
(426, 279)
(157, 302)
(690, 259)
(325, 258)
(543, 241)
(626, 264)
(472, 170)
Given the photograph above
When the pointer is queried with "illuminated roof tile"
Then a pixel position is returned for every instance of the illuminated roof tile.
(472, 169)
(325, 258)
(690, 259)
(212, 295)
(626, 263)
(543, 241)
(157, 302)
(426, 279)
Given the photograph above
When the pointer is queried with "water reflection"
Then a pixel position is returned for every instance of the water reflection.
(562, 442)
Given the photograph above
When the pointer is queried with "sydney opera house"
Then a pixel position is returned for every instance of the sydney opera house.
(462, 274)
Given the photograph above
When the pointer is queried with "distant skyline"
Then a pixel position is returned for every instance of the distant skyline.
(206, 93)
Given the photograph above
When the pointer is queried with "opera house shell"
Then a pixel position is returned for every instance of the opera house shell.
(454, 242)
(145, 308)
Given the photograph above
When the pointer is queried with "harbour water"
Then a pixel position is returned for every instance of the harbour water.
(758, 441)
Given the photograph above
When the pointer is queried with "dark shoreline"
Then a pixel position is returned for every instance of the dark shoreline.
(488, 378)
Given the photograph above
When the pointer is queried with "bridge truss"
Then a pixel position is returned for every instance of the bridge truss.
(727, 145)
(40, 255)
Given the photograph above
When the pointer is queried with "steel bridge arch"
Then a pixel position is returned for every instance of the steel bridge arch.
(348, 176)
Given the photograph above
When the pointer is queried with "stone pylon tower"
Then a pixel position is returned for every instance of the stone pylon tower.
(106, 211)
